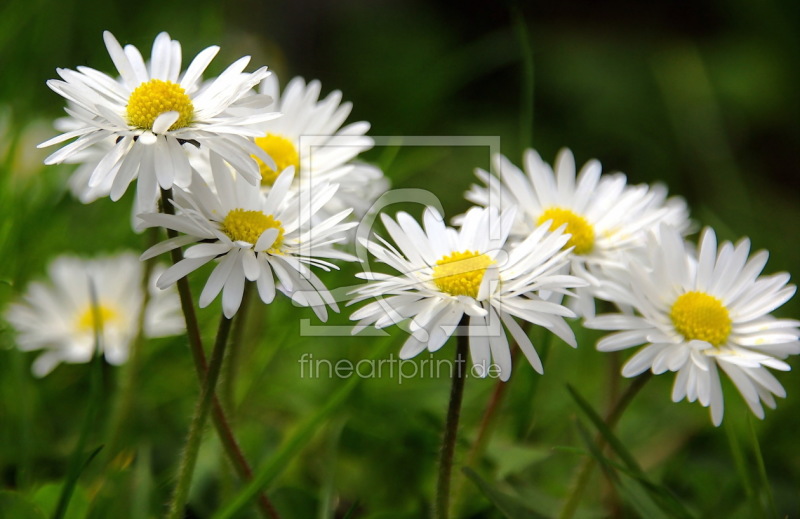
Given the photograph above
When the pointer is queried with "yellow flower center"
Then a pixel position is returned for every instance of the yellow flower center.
(242, 225)
(697, 315)
(461, 273)
(581, 230)
(99, 317)
(282, 151)
(155, 97)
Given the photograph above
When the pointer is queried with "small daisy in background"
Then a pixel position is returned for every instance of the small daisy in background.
(60, 317)
(446, 274)
(698, 314)
(256, 236)
(604, 216)
(141, 122)
(311, 137)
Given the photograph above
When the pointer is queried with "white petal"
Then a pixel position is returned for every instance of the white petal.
(233, 291)
(217, 279)
(203, 250)
(479, 347)
(179, 270)
(411, 348)
(164, 121)
(250, 265)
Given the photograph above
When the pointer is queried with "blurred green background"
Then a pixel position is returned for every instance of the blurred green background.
(701, 96)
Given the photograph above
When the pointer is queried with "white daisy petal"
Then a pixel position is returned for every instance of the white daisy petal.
(216, 281)
(179, 270)
(265, 281)
(233, 290)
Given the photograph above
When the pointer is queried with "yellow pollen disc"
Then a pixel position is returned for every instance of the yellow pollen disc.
(581, 230)
(155, 97)
(242, 225)
(282, 151)
(461, 273)
(697, 315)
(86, 321)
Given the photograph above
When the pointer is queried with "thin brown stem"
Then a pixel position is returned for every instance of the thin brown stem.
(442, 510)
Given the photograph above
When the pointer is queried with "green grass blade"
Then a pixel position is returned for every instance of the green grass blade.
(350, 514)
(615, 444)
(510, 506)
(596, 453)
(765, 490)
(740, 460)
(628, 488)
(661, 495)
(327, 488)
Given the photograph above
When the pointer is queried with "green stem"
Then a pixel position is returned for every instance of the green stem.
(442, 510)
(585, 470)
(224, 431)
(181, 493)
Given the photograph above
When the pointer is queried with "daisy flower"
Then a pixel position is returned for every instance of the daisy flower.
(151, 112)
(700, 314)
(446, 274)
(254, 236)
(310, 137)
(61, 318)
(603, 215)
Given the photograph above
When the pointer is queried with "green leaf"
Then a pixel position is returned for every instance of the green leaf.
(510, 506)
(639, 499)
(14, 505)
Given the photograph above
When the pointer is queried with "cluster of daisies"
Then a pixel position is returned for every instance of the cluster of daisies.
(267, 186)
(547, 243)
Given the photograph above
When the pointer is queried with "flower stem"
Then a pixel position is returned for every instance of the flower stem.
(224, 431)
(585, 470)
(442, 510)
(189, 459)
